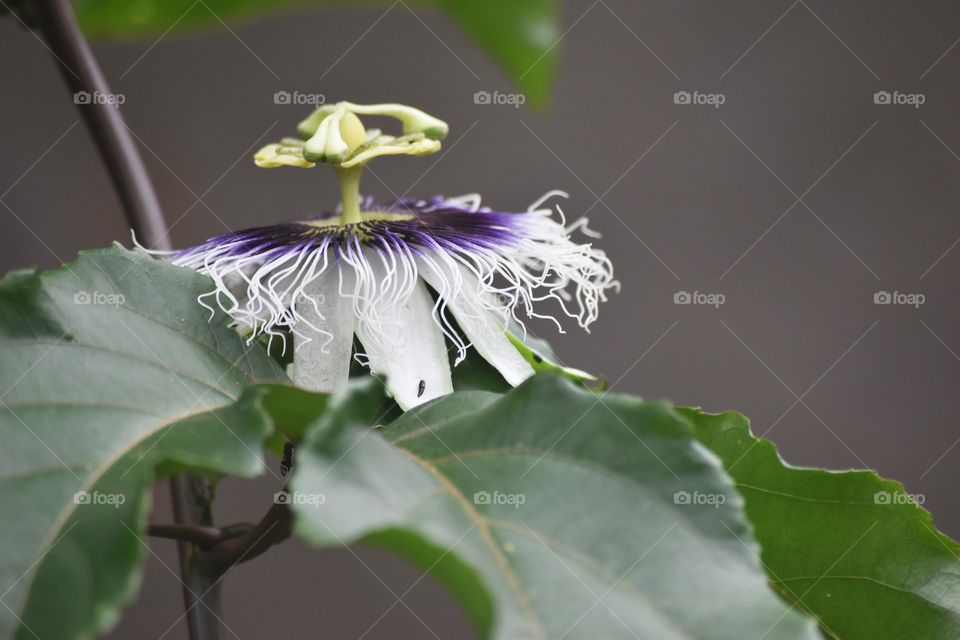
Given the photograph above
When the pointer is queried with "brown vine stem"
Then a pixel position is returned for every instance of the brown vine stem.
(103, 119)
(204, 537)
(275, 527)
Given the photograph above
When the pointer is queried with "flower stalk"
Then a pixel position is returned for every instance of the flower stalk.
(350, 194)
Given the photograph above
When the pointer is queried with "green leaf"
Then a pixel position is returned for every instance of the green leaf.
(850, 547)
(546, 511)
(291, 408)
(154, 17)
(476, 374)
(538, 353)
(520, 34)
(111, 375)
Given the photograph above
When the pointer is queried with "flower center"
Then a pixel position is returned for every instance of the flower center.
(335, 135)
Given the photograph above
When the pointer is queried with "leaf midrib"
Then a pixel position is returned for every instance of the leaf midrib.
(173, 328)
(100, 470)
(485, 524)
(487, 536)
(78, 404)
(157, 364)
(868, 579)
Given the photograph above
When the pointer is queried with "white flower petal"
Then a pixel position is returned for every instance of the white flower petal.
(409, 350)
(323, 338)
(491, 342)
(462, 293)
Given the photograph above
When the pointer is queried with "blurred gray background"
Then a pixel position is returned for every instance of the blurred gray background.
(797, 199)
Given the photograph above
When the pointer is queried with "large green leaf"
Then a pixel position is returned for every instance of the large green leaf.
(111, 374)
(850, 547)
(154, 17)
(520, 34)
(549, 512)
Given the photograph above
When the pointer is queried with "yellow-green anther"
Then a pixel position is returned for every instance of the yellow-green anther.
(414, 120)
(338, 136)
(311, 123)
(419, 147)
(289, 152)
(314, 149)
(335, 147)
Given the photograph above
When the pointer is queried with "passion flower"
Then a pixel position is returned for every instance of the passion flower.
(404, 277)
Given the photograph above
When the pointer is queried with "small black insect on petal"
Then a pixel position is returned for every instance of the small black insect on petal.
(421, 388)
(287, 463)
(537, 358)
